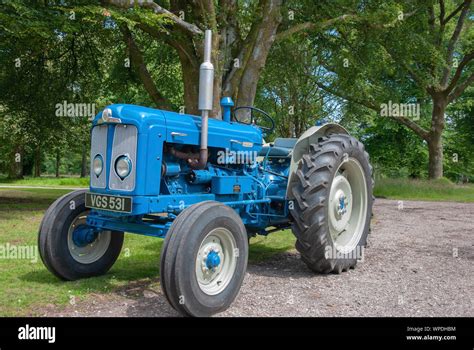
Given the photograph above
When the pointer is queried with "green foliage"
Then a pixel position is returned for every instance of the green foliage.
(51, 53)
(394, 151)
(387, 51)
(287, 89)
(75, 52)
(459, 140)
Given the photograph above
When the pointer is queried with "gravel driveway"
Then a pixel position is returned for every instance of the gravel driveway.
(419, 262)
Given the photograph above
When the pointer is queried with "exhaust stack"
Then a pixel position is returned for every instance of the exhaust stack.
(206, 88)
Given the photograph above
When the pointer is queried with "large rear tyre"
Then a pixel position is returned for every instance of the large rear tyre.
(71, 249)
(204, 259)
(332, 191)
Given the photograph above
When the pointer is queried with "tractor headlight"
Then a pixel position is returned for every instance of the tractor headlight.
(123, 166)
(98, 165)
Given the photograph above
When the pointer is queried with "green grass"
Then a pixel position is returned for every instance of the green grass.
(27, 288)
(47, 181)
(437, 190)
(264, 247)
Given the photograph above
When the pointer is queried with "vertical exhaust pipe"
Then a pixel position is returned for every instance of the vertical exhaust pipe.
(206, 89)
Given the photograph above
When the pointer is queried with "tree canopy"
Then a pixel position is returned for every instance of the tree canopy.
(398, 74)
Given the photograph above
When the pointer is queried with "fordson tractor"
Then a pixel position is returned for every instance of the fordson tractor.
(206, 186)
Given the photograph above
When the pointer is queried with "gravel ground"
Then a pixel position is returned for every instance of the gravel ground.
(419, 262)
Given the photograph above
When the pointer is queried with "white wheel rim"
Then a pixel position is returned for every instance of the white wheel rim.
(219, 242)
(347, 210)
(89, 253)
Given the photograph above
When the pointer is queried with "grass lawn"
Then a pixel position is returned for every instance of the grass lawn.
(47, 181)
(438, 190)
(27, 287)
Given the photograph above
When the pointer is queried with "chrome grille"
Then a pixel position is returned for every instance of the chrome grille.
(99, 147)
(125, 143)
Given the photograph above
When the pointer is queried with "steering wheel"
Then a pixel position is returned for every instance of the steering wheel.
(253, 119)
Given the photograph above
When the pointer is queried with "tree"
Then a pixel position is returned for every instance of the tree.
(297, 59)
(48, 57)
(239, 48)
(287, 89)
(243, 34)
(422, 54)
(13, 143)
(459, 143)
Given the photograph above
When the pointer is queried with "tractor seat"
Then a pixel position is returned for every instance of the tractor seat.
(282, 147)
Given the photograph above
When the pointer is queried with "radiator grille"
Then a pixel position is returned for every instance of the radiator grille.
(124, 143)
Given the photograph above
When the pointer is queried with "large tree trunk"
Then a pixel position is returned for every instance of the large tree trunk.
(58, 162)
(84, 161)
(435, 142)
(190, 71)
(37, 171)
(15, 170)
(257, 55)
(435, 148)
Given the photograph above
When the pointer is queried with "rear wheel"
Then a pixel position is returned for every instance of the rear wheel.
(204, 259)
(332, 191)
(71, 249)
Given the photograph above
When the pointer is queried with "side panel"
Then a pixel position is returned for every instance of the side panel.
(152, 142)
(99, 147)
(302, 145)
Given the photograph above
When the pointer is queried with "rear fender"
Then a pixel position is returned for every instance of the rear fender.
(302, 146)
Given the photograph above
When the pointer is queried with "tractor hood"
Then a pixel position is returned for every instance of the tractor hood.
(144, 144)
(184, 128)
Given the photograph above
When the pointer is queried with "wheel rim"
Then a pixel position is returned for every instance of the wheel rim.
(89, 252)
(347, 205)
(216, 261)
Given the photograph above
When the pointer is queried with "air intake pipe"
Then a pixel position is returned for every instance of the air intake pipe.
(206, 88)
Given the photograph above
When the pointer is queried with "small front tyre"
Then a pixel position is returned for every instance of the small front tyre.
(204, 259)
(71, 249)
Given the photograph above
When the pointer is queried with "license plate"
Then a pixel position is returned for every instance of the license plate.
(106, 202)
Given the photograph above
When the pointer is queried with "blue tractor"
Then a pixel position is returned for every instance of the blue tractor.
(206, 186)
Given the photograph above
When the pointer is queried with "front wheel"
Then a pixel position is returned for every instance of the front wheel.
(204, 259)
(71, 249)
(332, 207)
